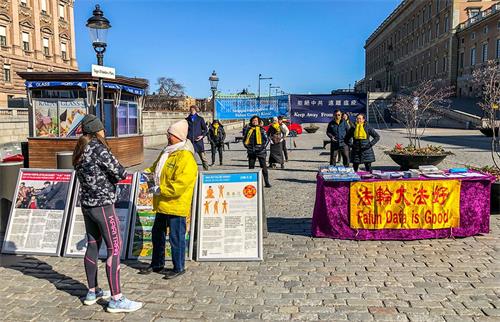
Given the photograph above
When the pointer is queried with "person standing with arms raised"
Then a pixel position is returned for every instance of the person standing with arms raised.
(99, 172)
(196, 133)
(255, 141)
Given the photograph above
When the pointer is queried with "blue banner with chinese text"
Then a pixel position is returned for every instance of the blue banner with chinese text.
(245, 108)
(320, 108)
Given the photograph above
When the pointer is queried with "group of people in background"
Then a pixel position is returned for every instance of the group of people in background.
(352, 142)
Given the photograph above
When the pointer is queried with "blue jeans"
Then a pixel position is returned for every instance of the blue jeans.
(177, 239)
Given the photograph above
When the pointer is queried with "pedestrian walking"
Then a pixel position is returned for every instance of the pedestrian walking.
(286, 132)
(275, 136)
(174, 172)
(336, 131)
(197, 131)
(255, 141)
(362, 151)
(216, 136)
(98, 172)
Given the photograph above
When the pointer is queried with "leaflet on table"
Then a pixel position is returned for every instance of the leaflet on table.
(229, 216)
(38, 215)
(77, 238)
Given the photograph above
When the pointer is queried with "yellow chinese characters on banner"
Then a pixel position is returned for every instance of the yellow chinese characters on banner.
(429, 204)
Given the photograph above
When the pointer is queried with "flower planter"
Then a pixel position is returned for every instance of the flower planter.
(495, 198)
(406, 161)
(311, 129)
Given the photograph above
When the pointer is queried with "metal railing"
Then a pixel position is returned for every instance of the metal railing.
(12, 112)
(480, 16)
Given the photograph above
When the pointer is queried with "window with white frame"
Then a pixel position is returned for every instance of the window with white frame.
(64, 53)
(46, 48)
(3, 36)
(485, 53)
(473, 12)
(26, 41)
(62, 11)
(6, 73)
(473, 56)
(43, 6)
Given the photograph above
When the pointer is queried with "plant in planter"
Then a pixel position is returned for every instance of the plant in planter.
(414, 110)
(311, 128)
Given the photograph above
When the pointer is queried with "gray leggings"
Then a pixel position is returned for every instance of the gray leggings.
(102, 222)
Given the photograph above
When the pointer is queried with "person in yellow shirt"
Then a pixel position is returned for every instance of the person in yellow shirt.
(174, 173)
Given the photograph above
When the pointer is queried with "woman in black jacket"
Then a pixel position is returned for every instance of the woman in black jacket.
(361, 146)
(216, 136)
(99, 172)
(255, 141)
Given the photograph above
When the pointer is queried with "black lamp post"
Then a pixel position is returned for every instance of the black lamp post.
(214, 81)
(98, 26)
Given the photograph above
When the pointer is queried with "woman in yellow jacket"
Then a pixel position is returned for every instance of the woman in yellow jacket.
(175, 173)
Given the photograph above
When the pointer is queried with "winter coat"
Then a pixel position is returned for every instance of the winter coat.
(253, 148)
(361, 150)
(337, 132)
(177, 181)
(98, 173)
(219, 138)
(274, 136)
(197, 128)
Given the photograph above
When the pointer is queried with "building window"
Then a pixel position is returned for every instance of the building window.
(437, 6)
(472, 56)
(498, 48)
(30, 69)
(473, 35)
(3, 36)
(436, 67)
(429, 12)
(24, 3)
(6, 73)
(445, 65)
(46, 49)
(473, 12)
(43, 5)
(461, 60)
(62, 11)
(446, 23)
(64, 53)
(26, 41)
(485, 53)
(485, 30)
(430, 34)
(437, 29)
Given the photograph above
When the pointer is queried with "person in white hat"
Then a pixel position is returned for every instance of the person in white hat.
(175, 172)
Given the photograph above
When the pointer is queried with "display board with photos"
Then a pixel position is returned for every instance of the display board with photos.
(230, 216)
(76, 243)
(141, 244)
(58, 117)
(38, 216)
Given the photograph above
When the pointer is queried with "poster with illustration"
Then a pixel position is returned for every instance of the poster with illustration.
(38, 216)
(141, 244)
(46, 118)
(71, 113)
(76, 241)
(230, 216)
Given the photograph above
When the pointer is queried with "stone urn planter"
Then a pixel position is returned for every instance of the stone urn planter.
(311, 128)
(406, 161)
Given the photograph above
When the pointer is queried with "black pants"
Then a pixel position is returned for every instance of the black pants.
(217, 148)
(285, 151)
(262, 162)
(368, 166)
(335, 151)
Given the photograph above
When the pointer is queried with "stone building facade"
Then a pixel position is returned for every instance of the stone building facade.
(418, 41)
(35, 35)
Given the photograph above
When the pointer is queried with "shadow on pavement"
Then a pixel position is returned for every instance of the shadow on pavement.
(475, 142)
(290, 226)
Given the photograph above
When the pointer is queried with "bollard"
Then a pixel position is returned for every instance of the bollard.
(9, 172)
(64, 160)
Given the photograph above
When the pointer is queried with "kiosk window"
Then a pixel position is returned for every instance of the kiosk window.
(108, 116)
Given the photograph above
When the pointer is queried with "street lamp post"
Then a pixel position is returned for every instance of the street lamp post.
(98, 26)
(258, 90)
(214, 81)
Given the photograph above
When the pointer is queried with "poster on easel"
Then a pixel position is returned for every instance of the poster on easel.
(141, 243)
(38, 216)
(76, 242)
(230, 216)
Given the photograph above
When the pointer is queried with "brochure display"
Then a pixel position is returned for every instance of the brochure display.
(229, 226)
(141, 243)
(38, 217)
(76, 244)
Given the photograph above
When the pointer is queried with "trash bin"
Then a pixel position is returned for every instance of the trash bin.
(9, 172)
(64, 160)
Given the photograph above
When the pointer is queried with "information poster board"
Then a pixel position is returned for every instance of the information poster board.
(76, 243)
(38, 216)
(141, 244)
(230, 216)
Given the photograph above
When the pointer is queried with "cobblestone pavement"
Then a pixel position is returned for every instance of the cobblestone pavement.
(301, 278)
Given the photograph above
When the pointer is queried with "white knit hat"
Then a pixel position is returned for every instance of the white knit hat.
(179, 129)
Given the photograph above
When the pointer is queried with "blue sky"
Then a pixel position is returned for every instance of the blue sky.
(306, 46)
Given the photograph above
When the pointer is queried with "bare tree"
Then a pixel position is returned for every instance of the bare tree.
(169, 87)
(420, 105)
(487, 80)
